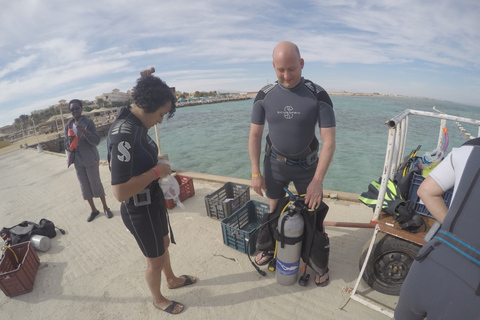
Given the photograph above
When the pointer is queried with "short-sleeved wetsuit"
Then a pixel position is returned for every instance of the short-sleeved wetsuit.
(131, 152)
(292, 116)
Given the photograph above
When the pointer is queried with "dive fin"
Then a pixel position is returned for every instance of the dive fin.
(370, 197)
(394, 204)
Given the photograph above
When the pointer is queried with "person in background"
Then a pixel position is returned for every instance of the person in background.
(292, 107)
(444, 280)
(82, 139)
(135, 170)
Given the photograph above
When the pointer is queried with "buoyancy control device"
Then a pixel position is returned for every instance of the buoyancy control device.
(314, 243)
(289, 245)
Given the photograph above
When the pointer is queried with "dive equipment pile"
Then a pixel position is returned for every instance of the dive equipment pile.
(294, 231)
(396, 201)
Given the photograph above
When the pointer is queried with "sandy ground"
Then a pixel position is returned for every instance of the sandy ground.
(96, 271)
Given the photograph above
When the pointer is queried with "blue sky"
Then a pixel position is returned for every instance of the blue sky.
(53, 50)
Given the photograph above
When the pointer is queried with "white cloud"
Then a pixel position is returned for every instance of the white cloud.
(51, 50)
(21, 63)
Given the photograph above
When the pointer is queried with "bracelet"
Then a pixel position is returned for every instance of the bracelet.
(156, 172)
(256, 175)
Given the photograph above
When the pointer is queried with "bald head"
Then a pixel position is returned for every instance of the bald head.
(286, 48)
(288, 64)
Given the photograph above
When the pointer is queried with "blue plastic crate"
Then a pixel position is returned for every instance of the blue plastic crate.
(238, 229)
(419, 206)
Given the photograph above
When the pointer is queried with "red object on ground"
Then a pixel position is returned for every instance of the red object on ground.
(186, 190)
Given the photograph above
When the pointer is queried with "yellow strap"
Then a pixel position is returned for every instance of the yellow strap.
(16, 258)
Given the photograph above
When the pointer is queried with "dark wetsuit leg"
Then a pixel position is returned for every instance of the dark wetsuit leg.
(148, 224)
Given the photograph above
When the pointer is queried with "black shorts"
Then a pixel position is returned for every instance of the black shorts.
(148, 224)
(278, 175)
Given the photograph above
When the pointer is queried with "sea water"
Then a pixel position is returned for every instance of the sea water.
(213, 138)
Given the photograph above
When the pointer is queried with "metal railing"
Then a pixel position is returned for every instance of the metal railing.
(395, 153)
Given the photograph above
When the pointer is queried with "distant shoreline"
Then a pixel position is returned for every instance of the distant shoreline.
(362, 94)
(192, 103)
(358, 94)
(345, 93)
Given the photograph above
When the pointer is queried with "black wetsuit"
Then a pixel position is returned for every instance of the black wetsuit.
(292, 116)
(131, 152)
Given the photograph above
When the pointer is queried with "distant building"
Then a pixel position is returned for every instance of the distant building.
(115, 95)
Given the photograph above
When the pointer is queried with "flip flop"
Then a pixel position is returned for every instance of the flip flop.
(188, 281)
(325, 282)
(265, 254)
(171, 308)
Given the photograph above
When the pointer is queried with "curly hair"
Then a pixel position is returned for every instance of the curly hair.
(151, 93)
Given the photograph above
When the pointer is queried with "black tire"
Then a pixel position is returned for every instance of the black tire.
(389, 263)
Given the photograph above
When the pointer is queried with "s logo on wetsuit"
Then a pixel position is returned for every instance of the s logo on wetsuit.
(123, 148)
(288, 112)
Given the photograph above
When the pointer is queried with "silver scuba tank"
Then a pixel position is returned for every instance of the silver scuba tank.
(289, 246)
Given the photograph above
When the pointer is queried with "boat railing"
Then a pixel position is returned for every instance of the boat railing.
(395, 153)
(397, 138)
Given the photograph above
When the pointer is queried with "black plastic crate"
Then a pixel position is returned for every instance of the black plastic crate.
(238, 229)
(418, 203)
(226, 200)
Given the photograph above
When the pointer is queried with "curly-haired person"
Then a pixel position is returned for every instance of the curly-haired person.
(135, 170)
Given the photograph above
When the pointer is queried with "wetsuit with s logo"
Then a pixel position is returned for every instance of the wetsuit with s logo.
(131, 152)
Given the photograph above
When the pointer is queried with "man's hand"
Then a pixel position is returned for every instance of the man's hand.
(258, 185)
(314, 195)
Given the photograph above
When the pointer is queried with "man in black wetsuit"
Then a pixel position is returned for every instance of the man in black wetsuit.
(292, 106)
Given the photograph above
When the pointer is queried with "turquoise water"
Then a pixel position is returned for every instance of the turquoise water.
(213, 138)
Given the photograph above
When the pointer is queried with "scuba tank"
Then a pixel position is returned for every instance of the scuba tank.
(289, 245)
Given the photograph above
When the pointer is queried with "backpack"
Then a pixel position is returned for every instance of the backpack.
(24, 230)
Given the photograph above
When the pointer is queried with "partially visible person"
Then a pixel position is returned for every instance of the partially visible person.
(82, 139)
(293, 107)
(444, 280)
(135, 170)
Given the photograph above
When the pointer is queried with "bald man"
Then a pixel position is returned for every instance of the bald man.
(292, 107)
